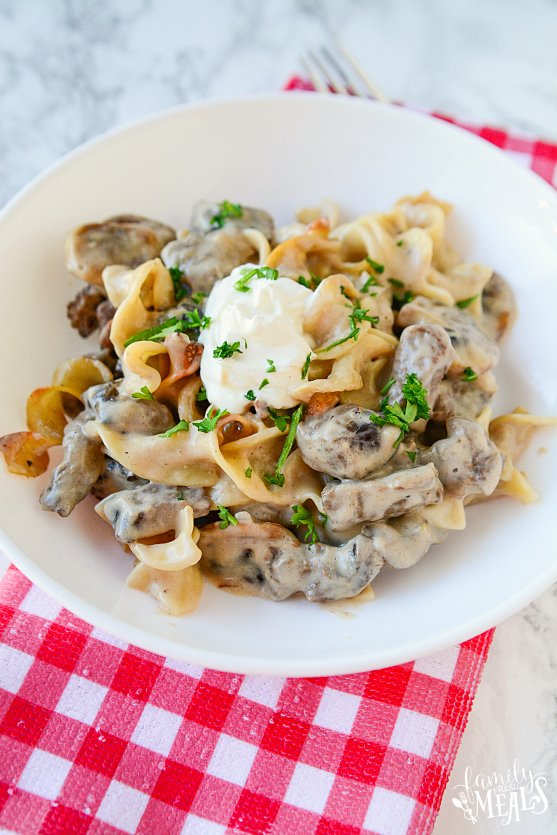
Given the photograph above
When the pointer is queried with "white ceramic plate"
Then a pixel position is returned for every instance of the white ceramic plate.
(281, 152)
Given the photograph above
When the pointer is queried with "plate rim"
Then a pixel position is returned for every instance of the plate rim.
(228, 662)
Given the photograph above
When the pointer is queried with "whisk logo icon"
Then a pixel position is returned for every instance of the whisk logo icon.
(505, 796)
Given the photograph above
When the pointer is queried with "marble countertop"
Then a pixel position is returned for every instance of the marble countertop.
(70, 69)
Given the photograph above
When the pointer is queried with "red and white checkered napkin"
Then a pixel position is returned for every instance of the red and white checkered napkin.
(100, 737)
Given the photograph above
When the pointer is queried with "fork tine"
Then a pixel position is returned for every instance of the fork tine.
(332, 83)
(369, 84)
(319, 85)
(346, 82)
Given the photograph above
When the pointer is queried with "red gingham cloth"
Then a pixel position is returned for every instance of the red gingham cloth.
(100, 737)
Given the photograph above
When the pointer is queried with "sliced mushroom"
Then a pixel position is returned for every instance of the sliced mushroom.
(126, 414)
(114, 478)
(204, 211)
(343, 442)
(124, 239)
(265, 559)
(367, 501)
(423, 350)
(458, 397)
(206, 258)
(404, 541)
(473, 349)
(467, 461)
(150, 509)
(80, 468)
(82, 310)
(499, 307)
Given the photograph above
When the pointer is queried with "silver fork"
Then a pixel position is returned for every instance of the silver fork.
(335, 71)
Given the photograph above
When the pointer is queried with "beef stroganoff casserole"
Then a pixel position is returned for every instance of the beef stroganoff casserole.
(286, 410)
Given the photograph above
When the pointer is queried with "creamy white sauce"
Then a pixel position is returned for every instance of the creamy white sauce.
(269, 318)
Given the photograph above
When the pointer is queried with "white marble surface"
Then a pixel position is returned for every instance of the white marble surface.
(70, 69)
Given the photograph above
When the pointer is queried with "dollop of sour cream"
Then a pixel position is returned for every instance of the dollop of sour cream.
(268, 322)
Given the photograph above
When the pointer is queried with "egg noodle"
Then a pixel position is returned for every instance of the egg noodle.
(320, 408)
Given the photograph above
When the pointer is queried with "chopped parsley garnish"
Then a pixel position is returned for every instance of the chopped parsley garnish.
(414, 392)
(258, 272)
(198, 297)
(305, 282)
(400, 300)
(280, 421)
(250, 395)
(192, 319)
(210, 420)
(182, 426)
(302, 516)
(379, 268)
(416, 406)
(467, 302)
(263, 383)
(180, 496)
(396, 282)
(224, 351)
(226, 517)
(176, 274)
(411, 453)
(157, 333)
(469, 375)
(324, 518)
(345, 293)
(278, 476)
(248, 472)
(360, 315)
(370, 282)
(201, 394)
(305, 367)
(352, 335)
(143, 394)
(226, 209)
(388, 385)
(270, 366)
(400, 243)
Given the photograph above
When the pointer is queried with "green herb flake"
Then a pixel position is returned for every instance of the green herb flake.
(396, 282)
(264, 383)
(370, 282)
(270, 367)
(387, 387)
(224, 351)
(323, 518)
(277, 477)
(463, 303)
(258, 272)
(411, 453)
(304, 282)
(250, 395)
(182, 426)
(352, 335)
(379, 268)
(414, 392)
(192, 320)
(305, 367)
(201, 394)
(180, 496)
(226, 209)
(143, 394)
(280, 421)
(248, 472)
(400, 243)
(199, 297)
(176, 274)
(303, 517)
(469, 375)
(209, 422)
(400, 300)
(158, 333)
(226, 517)
(358, 315)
